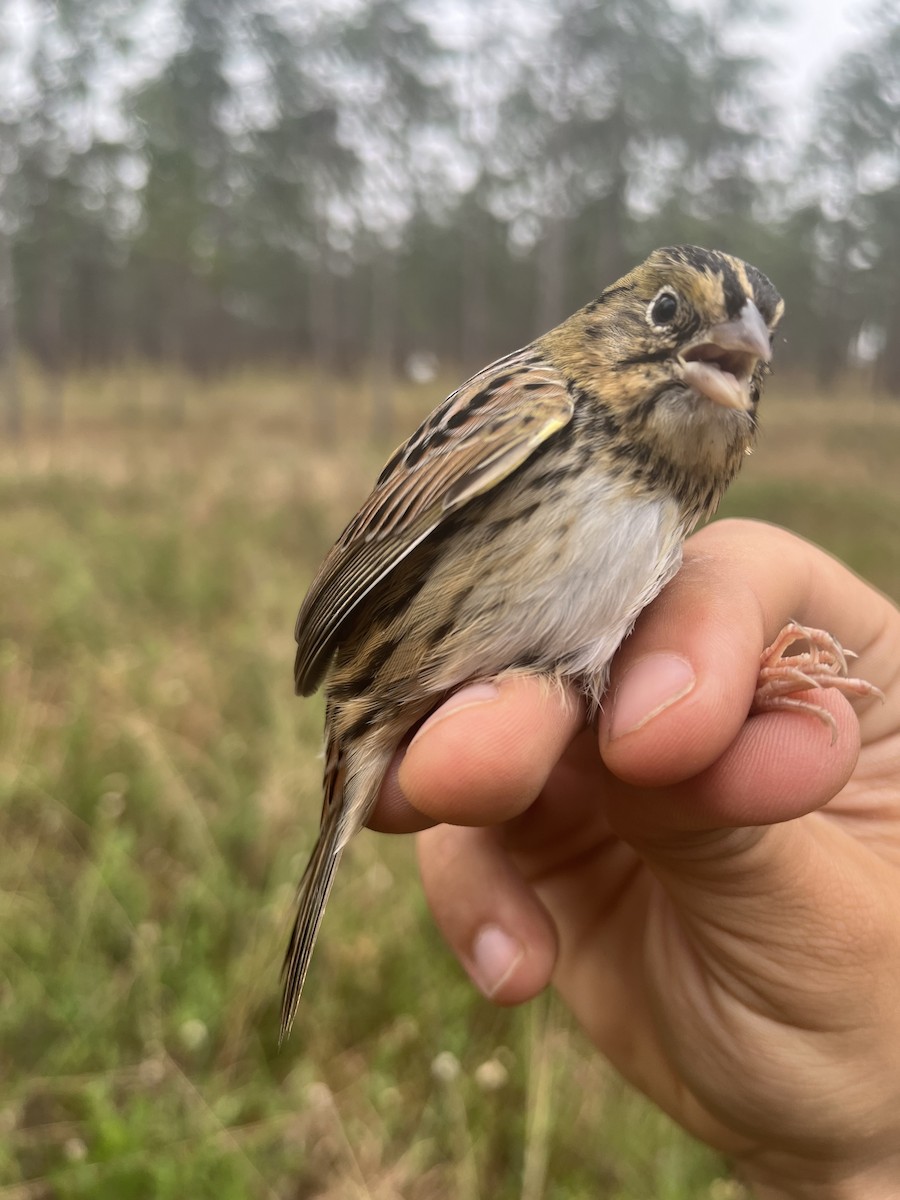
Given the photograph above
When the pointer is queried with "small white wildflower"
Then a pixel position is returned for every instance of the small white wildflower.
(421, 366)
(445, 1067)
(726, 1189)
(491, 1075)
(193, 1033)
(112, 805)
(318, 1096)
(151, 1072)
(74, 1149)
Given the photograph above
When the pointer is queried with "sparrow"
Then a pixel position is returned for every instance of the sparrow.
(528, 521)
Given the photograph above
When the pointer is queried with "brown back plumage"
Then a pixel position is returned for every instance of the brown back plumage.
(479, 435)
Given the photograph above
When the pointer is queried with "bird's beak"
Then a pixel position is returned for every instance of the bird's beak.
(720, 363)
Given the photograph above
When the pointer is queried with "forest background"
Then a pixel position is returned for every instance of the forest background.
(389, 184)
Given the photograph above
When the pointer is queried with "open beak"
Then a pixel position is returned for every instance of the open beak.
(721, 362)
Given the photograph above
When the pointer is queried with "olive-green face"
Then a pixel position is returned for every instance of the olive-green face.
(687, 288)
(681, 290)
(697, 320)
(687, 326)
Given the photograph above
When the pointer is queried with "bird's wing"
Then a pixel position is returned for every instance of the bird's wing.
(477, 437)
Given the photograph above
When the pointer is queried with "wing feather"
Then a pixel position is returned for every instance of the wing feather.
(481, 434)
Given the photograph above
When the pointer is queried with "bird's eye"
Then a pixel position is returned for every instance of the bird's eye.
(663, 308)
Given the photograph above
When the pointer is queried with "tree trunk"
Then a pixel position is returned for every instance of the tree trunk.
(384, 299)
(172, 347)
(323, 316)
(552, 272)
(474, 316)
(831, 358)
(614, 258)
(12, 396)
(51, 336)
(888, 366)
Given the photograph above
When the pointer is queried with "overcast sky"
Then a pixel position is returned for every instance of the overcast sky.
(800, 45)
(812, 33)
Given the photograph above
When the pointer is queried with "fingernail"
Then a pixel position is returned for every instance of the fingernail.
(647, 689)
(495, 955)
(468, 697)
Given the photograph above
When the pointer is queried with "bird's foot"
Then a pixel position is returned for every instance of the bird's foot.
(822, 665)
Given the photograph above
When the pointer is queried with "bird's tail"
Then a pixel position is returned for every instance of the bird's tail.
(312, 894)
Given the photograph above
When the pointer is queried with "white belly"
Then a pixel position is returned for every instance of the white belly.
(564, 593)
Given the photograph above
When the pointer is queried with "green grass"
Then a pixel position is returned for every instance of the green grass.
(158, 795)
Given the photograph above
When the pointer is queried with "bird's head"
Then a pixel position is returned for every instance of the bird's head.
(667, 368)
(686, 337)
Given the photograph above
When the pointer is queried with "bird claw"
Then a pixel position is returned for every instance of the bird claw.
(822, 665)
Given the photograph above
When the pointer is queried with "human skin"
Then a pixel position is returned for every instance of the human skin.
(716, 896)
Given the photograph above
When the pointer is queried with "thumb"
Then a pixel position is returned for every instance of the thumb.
(676, 725)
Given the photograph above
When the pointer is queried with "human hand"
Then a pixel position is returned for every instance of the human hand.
(715, 896)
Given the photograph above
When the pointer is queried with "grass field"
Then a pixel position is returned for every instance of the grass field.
(159, 792)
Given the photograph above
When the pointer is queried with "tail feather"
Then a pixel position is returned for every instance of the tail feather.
(313, 892)
(315, 887)
(351, 784)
